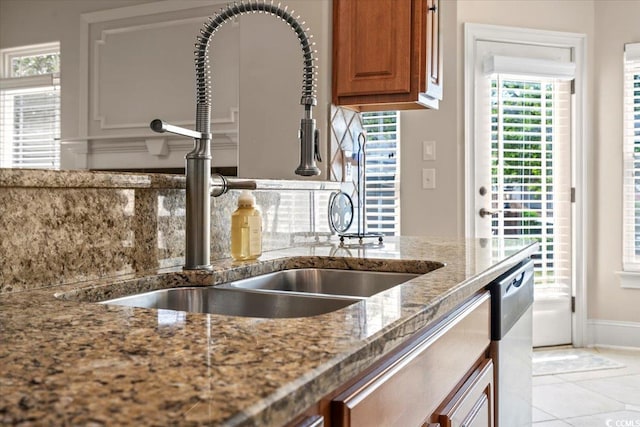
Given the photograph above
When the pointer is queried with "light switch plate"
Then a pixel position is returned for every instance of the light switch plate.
(428, 150)
(428, 179)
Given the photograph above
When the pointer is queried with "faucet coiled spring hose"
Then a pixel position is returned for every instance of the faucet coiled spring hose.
(203, 76)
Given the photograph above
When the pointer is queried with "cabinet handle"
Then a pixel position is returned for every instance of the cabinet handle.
(433, 8)
(312, 421)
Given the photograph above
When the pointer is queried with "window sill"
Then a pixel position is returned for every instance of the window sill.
(629, 279)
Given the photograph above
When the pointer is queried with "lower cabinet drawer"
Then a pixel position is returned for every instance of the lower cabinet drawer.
(407, 391)
(472, 404)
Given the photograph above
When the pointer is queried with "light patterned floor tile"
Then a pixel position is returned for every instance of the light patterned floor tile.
(612, 419)
(565, 400)
(546, 379)
(554, 423)
(624, 389)
(591, 398)
(539, 415)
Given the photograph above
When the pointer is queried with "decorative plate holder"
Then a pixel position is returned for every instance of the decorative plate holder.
(341, 204)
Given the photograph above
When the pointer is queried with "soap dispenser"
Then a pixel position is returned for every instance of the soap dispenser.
(246, 229)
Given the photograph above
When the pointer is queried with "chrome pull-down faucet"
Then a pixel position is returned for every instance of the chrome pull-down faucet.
(198, 168)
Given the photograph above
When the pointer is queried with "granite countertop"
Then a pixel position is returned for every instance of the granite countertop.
(67, 361)
(39, 178)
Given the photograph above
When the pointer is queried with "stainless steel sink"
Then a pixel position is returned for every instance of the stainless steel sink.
(235, 302)
(287, 293)
(324, 281)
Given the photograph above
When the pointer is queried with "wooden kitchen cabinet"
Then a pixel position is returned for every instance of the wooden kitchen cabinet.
(387, 54)
(472, 404)
(407, 389)
(440, 375)
(433, 83)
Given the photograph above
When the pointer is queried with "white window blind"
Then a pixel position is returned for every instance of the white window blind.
(531, 168)
(524, 66)
(296, 212)
(382, 165)
(631, 153)
(30, 108)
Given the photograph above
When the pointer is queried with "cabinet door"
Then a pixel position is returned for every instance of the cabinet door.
(408, 389)
(372, 47)
(386, 54)
(433, 51)
(472, 404)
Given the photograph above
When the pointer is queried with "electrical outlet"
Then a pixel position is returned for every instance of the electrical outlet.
(428, 179)
(428, 150)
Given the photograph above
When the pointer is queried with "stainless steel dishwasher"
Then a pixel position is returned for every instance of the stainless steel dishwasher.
(511, 345)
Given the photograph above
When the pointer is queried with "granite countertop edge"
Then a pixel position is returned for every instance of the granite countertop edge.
(65, 179)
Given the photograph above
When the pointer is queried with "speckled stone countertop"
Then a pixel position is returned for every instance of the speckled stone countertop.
(38, 178)
(67, 361)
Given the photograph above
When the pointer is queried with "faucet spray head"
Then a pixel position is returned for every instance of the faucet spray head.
(309, 140)
(309, 148)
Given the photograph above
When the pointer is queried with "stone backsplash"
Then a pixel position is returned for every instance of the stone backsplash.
(63, 227)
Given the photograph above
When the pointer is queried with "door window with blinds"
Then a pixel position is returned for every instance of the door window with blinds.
(531, 170)
(631, 150)
(30, 107)
(382, 165)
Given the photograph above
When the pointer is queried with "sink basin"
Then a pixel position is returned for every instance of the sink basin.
(282, 294)
(235, 302)
(324, 281)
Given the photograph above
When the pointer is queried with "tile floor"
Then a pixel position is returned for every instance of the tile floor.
(602, 398)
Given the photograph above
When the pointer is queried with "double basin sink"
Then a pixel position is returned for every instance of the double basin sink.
(282, 294)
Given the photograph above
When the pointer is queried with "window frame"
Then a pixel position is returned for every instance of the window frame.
(41, 82)
(372, 136)
(631, 166)
(32, 50)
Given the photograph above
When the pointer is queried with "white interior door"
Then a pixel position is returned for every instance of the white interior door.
(522, 181)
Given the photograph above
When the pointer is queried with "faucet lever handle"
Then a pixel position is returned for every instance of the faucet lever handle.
(161, 126)
(220, 184)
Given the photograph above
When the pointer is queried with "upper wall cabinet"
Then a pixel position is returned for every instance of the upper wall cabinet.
(386, 54)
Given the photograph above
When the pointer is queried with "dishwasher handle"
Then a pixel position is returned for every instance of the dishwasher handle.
(523, 275)
(511, 297)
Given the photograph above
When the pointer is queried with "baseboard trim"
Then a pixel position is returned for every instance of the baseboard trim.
(610, 333)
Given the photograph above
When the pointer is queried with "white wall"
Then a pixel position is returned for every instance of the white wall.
(137, 65)
(27, 22)
(436, 212)
(271, 74)
(269, 59)
(617, 22)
